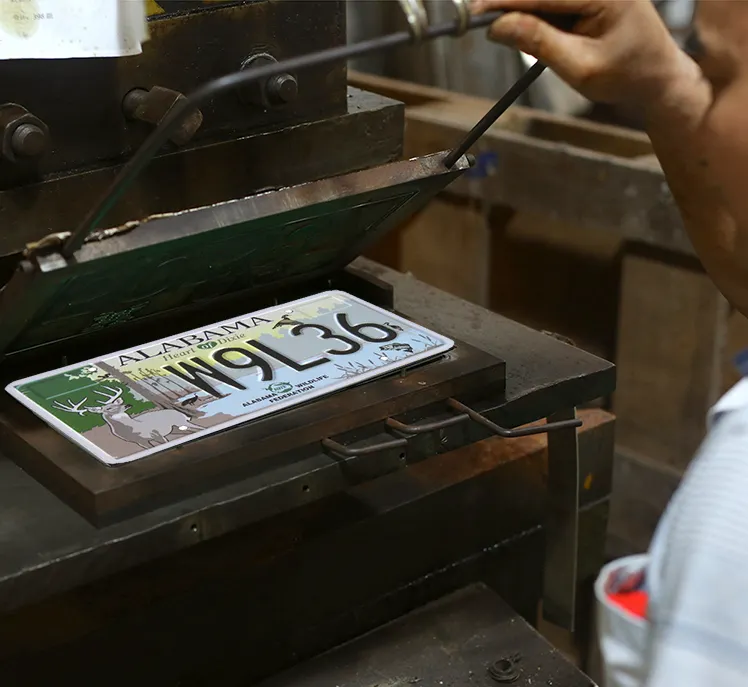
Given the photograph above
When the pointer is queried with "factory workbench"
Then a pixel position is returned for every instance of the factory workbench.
(46, 548)
(61, 575)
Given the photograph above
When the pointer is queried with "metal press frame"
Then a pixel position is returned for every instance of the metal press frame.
(563, 455)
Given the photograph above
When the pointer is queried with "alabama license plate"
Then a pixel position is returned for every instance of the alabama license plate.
(134, 403)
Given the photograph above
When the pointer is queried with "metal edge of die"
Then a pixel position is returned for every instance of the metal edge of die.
(126, 275)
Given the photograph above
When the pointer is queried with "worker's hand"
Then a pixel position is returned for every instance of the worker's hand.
(619, 51)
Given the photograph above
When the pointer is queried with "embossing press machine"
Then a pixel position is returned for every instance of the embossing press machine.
(202, 328)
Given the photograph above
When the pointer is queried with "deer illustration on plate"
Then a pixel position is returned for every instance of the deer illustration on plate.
(147, 429)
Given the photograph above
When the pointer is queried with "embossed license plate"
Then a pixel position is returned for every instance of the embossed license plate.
(137, 402)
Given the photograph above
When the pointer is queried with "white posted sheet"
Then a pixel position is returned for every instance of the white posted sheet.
(59, 29)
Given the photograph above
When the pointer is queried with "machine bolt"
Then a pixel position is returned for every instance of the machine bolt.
(282, 89)
(24, 138)
(274, 91)
(29, 140)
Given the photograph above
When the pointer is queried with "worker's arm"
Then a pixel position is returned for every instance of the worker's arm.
(621, 52)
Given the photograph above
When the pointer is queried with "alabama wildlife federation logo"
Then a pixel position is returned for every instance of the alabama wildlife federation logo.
(280, 388)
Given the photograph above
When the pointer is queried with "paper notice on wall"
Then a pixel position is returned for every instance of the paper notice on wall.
(59, 29)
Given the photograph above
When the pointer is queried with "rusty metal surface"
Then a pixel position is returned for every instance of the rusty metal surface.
(48, 548)
(470, 638)
(368, 133)
(81, 100)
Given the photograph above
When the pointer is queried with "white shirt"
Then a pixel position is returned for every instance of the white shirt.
(698, 563)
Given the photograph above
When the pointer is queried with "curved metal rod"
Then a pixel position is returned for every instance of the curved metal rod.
(510, 433)
(346, 452)
(425, 426)
(163, 131)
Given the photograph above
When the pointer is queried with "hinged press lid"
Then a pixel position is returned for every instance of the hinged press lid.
(165, 263)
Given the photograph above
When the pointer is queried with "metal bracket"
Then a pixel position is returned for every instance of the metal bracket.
(465, 415)
(562, 524)
(562, 527)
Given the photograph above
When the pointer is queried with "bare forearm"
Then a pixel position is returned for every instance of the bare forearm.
(621, 52)
(673, 126)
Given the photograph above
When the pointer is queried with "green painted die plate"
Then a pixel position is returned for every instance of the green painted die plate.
(165, 263)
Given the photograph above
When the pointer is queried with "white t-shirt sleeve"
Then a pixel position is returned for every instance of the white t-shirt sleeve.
(699, 607)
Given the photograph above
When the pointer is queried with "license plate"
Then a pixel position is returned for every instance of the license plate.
(141, 401)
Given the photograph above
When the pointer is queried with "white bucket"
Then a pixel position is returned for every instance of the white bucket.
(622, 635)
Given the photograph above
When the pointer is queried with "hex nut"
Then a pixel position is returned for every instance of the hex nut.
(24, 136)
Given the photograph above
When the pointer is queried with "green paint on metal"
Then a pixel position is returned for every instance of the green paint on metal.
(137, 283)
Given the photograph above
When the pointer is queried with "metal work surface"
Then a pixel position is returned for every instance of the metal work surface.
(211, 252)
(544, 375)
(47, 548)
(103, 494)
(470, 638)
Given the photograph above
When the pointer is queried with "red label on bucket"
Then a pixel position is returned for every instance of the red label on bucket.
(635, 602)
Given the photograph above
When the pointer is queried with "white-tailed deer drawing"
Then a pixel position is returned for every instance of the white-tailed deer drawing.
(147, 429)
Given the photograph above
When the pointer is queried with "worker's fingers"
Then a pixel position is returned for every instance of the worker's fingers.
(583, 7)
(570, 56)
(618, 50)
